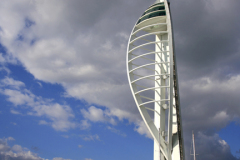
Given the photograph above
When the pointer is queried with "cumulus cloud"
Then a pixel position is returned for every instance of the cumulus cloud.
(10, 139)
(84, 124)
(42, 122)
(90, 137)
(206, 101)
(97, 115)
(14, 111)
(9, 82)
(17, 148)
(142, 129)
(6, 58)
(66, 56)
(114, 130)
(209, 104)
(93, 114)
(209, 144)
(59, 115)
(17, 152)
(65, 136)
(5, 69)
(3, 145)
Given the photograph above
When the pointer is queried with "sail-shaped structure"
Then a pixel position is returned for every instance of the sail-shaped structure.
(152, 75)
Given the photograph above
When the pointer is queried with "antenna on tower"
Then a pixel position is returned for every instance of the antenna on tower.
(193, 147)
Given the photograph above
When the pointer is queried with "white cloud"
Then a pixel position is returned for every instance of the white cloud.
(208, 84)
(88, 159)
(84, 124)
(2, 59)
(18, 98)
(65, 55)
(12, 83)
(80, 146)
(17, 152)
(93, 114)
(223, 143)
(210, 102)
(221, 117)
(40, 84)
(208, 143)
(90, 137)
(17, 148)
(14, 111)
(2, 147)
(142, 129)
(65, 136)
(5, 69)
(42, 122)
(10, 139)
(7, 59)
(97, 115)
(114, 130)
(59, 115)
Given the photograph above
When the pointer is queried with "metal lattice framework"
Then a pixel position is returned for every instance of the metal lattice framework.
(153, 80)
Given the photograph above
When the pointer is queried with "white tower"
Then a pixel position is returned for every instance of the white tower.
(152, 76)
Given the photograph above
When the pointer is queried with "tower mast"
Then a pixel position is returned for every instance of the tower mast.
(194, 151)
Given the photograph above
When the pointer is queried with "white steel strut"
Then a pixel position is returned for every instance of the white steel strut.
(152, 77)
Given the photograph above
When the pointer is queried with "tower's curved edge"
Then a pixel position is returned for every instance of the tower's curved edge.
(176, 88)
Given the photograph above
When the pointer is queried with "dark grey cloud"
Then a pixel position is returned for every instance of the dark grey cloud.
(207, 49)
(212, 147)
(206, 36)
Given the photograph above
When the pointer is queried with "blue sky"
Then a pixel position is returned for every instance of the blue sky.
(231, 135)
(63, 85)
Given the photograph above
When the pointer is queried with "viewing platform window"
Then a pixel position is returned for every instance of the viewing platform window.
(154, 9)
(155, 14)
(162, 3)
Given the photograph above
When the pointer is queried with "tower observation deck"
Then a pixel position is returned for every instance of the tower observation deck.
(152, 75)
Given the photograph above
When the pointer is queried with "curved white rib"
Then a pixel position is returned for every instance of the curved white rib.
(152, 7)
(147, 77)
(152, 88)
(146, 55)
(158, 24)
(154, 33)
(144, 44)
(149, 64)
(142, 104)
